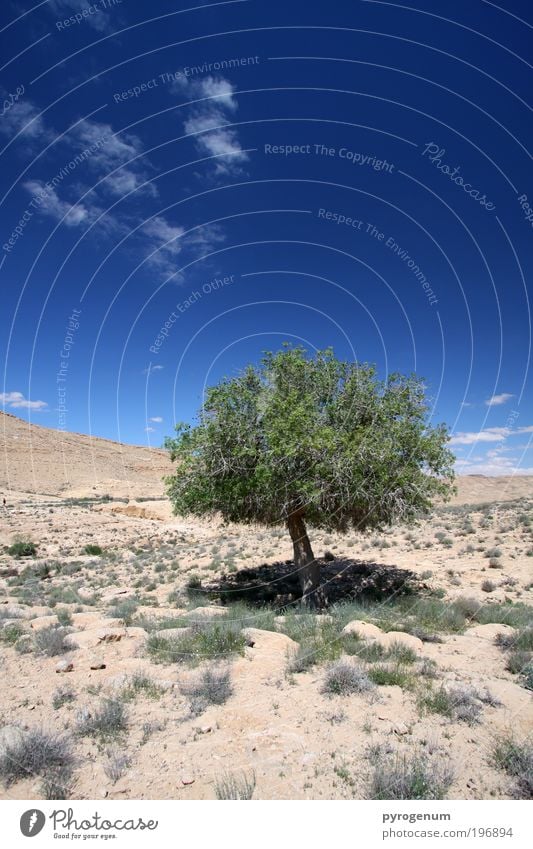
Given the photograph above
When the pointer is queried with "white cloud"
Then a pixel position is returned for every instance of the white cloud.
(496, 400)
(24, 117)
(156, 419)
(49, 203)
(150, 369)
(150, 429)
(17, 401)
(490, 434)
(209, 124)
(165, 242)
(113, 151)
(492, 466)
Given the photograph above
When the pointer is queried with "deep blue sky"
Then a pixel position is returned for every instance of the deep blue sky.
(165, 175)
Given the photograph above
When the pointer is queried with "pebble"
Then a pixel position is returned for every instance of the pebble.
(65, 666)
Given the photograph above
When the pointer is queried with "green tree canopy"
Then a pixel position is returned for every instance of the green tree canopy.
(309, 439)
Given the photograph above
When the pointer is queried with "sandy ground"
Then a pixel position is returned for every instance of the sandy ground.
(277, 726)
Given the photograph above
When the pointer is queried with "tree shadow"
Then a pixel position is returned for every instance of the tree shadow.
(342, 579)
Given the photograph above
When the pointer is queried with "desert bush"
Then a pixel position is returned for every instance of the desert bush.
(64, 617)
(343, 679)
(108, 721)
(239, 787)
(517, 760)
(63, 696)
(460, 704)
(92, 549)
(211, 687)
(124, 610)
(35, 752)
(401, 653)
(22, 548)
(116, 765)
(410, 777)
(488, 586)
(11, 633)
(51, 641)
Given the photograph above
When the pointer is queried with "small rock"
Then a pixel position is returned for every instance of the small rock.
(186, 780)
(65, 666)
(400, 728)
(407, 640)
(97, 664)
(205, 729)
(42, 622)
(365, 630)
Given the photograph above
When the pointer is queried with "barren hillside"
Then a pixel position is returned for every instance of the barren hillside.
(42, 460)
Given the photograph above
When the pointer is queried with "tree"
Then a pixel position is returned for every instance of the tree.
(309, 440)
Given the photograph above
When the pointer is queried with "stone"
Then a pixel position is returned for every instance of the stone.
(186, 780)
(97, 664)
(111, 635)
(64, 666)
(206, 612)
(42, 622)
(403, 639)
(365, 630)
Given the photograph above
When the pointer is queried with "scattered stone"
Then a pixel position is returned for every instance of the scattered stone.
(97, 664)
(186, 780)
(64, 666)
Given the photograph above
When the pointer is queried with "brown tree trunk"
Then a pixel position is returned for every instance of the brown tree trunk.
(307, 567)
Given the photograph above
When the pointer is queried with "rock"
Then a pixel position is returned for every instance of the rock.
(97, 664)
(187, 779)
(365, 630)
(42, 622)
(489, 632)
(400, 728)
(403, 639)
(64, 666)
(111, 635)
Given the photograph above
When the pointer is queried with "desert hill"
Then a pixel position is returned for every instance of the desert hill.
(45, 461)
(52, 462)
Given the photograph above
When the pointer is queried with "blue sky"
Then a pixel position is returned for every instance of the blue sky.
(185, 186)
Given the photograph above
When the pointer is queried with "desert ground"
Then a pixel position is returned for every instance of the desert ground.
(136, 664)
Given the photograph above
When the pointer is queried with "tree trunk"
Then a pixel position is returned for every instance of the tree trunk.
(307, 567)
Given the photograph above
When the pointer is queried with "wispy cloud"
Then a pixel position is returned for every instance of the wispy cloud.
(492, 466)
(156, 419)
(496, 400)
(150, 429)
(25, 118)
(209, 123)
(17, 401)
(115, 153)
(150, 369)
(489, 434)
(49, 203)
(165, 242)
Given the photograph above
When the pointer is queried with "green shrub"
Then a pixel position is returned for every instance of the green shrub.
(92, 549)
(343, 679)
(239, 787)
(22, 548)
(106, 722)
(211, 687)
(517, 761)
(201, 642)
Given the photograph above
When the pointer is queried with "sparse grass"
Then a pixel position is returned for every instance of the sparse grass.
(388, 676)
(244, 616)
(488, 586)
(234, 786)
(106, 722)
(51, 641)
(35, 752)
(401, 653)
(460, 704)
(412, 776)
(22, 548)
(202, 642)
(344, 678)
(517, 760)
(140, 684)
(211, 687)
(116, 765)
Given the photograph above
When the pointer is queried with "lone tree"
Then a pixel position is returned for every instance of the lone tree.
(303, 439)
